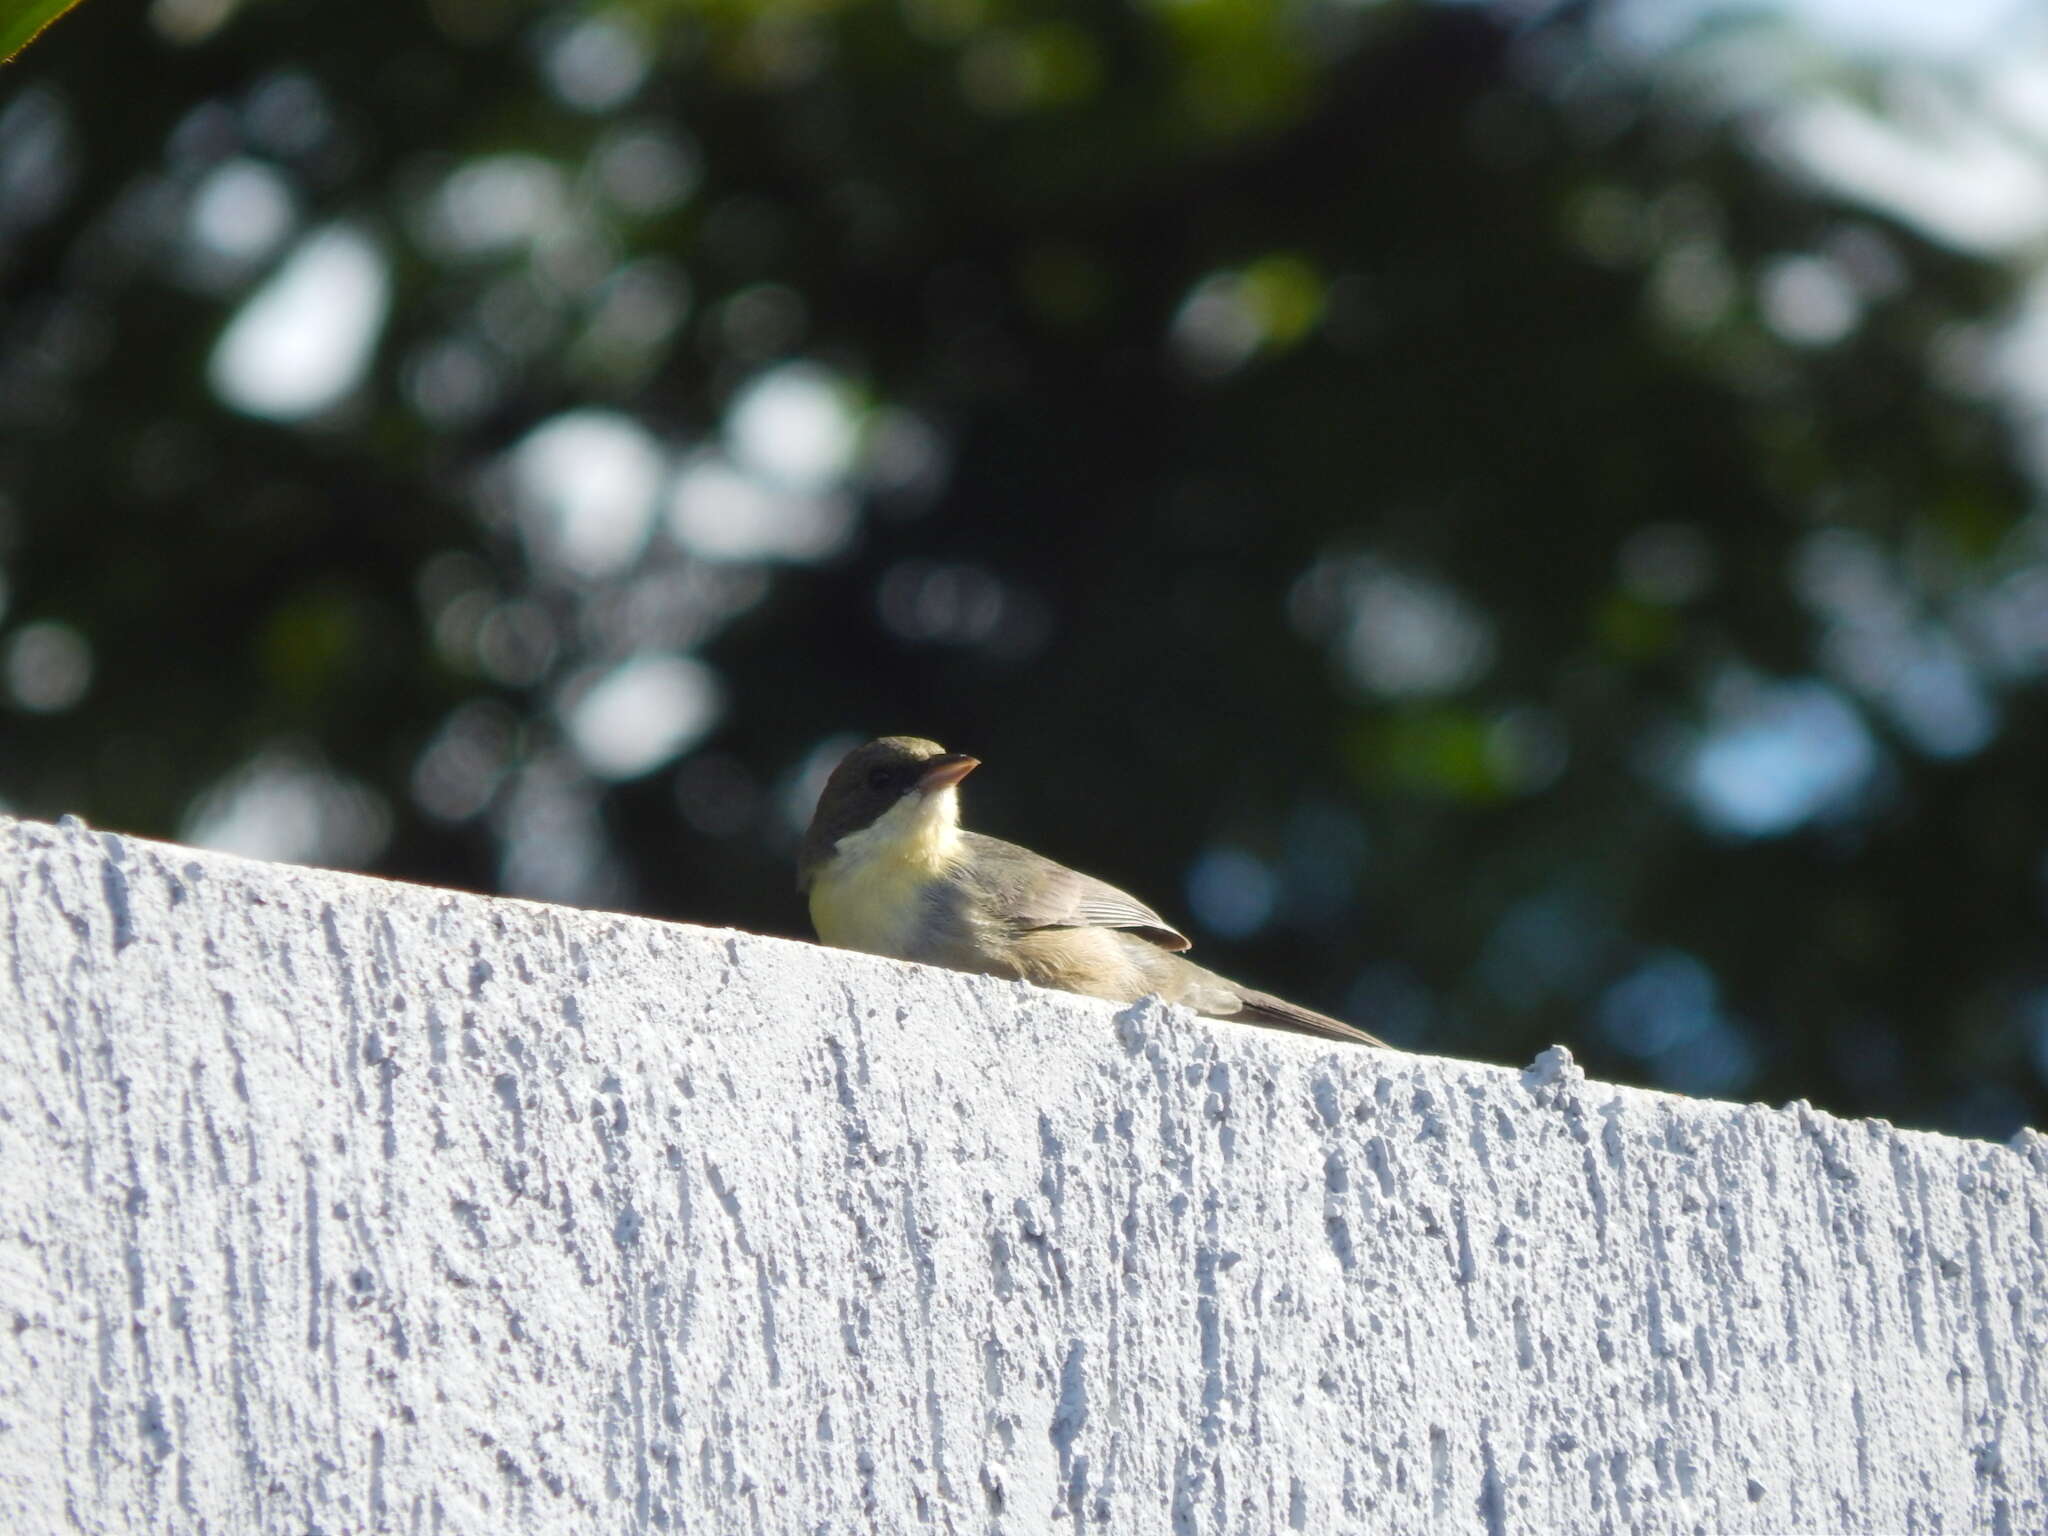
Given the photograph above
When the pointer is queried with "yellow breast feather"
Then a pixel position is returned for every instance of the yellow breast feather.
(869, 894)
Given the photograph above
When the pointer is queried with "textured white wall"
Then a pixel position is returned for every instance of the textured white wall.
(332, 1204)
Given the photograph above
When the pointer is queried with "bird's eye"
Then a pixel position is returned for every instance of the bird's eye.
(879, 778)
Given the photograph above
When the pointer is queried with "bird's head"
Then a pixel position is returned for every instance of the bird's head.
(905, 776)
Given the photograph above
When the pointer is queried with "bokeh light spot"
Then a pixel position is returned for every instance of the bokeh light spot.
(1808, 301)
(462, 766)
(647, 170)
(1231, 892)
(285, 804)
(48, 666)
(305, 338)
(240, 213)
(1776, 756)
(719, 512)
(1395, 632)
(38, 157)
(493, 204)
(795, 424)
(641, 713)
(586, 484)
(1667, 1012)
(1216, 330)
(595, 64)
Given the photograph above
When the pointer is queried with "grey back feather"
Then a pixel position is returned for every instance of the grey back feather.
(1032, 891)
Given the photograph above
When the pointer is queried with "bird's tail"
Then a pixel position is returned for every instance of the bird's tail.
(1278, 1013)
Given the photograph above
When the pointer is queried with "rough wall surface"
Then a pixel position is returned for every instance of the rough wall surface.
(329, 1204)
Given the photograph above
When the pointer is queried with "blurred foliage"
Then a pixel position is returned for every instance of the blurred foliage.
(21, 21)
(1385, 482)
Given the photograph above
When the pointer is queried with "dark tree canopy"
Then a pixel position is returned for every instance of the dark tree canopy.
(1411, 491)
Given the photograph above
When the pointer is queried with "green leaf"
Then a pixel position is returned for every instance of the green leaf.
(21, 21)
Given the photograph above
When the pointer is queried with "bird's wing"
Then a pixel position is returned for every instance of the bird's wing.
(1038, 893)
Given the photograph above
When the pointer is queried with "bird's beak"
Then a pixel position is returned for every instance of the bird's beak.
(945, 772)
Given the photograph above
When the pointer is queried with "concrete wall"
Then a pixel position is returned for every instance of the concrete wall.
(328, 1204)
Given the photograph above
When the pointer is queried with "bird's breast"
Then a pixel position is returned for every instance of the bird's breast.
(877, 892)
(875, 907)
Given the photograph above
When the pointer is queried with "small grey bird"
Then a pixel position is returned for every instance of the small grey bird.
(889, 870)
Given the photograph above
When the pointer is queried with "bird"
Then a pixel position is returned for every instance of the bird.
(887, 868)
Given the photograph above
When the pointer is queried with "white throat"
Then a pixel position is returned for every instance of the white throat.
(920, 831)
(871, 893)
